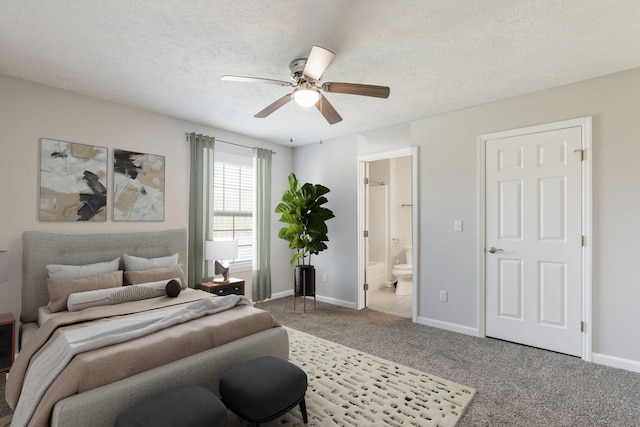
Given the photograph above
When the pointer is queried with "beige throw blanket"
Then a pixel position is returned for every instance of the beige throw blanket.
(129, 345)
(46, 368)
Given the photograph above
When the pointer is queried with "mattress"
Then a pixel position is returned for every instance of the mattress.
(119, 359)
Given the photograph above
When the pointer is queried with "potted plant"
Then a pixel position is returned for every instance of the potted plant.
(306, 231)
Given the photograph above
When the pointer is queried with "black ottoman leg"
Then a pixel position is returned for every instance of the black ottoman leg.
(303, 409)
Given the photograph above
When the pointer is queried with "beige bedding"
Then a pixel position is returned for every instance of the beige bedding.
(106, 365)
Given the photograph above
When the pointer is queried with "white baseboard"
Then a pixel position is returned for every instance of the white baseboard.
(282, 294)
(616, 362)
(421, 320)
(337, 302)
(453, 327)
(320, 298)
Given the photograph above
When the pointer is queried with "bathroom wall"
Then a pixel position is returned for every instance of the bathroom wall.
(389, 247)
(400, 216)
(379, 210)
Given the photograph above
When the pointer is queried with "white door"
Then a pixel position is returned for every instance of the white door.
(534, 239)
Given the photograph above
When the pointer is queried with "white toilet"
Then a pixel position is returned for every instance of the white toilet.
(404, 274)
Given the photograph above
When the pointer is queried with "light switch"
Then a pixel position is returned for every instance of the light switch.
(457, 225)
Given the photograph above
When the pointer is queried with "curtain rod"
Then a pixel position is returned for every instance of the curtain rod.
(186, 134)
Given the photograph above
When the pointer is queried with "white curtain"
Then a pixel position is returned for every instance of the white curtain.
(200, 207)
(261, 283)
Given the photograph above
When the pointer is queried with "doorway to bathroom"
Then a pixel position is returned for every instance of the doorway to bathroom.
(387, 212)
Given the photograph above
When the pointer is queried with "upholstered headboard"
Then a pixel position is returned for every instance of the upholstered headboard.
(40, 249)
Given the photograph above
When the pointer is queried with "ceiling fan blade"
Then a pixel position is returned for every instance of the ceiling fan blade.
(357, 89)
(273, 107)
(324, 106)
(256, 80)
(318, 61)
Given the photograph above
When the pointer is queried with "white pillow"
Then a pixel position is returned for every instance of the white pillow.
(134, 263)
(81, 300)
(60, 271)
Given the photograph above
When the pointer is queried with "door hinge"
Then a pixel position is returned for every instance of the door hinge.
(583, 326)
(583, 240)
(366, 180)
(366, 286)
(581, 151)
(365, 233)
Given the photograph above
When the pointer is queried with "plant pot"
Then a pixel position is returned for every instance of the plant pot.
(305, 280)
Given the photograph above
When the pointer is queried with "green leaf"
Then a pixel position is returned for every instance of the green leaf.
(301, 208)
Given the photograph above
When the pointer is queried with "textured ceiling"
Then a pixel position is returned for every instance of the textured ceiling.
(436, 55)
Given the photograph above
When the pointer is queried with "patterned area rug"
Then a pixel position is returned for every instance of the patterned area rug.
(351, 388)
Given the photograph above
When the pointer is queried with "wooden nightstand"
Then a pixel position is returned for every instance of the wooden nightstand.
(232, 286)
(7, 340)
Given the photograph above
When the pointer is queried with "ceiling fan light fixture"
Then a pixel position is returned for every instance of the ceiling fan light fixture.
(305, 76)
(306, 96)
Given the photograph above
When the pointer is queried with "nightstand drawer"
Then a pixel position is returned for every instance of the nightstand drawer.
(228, 289)
(234, 286)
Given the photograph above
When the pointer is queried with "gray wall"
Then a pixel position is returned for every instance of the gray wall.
(448, 190)
(334, 166)
(30, 111)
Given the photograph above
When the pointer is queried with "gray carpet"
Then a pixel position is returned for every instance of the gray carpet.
(516, 385)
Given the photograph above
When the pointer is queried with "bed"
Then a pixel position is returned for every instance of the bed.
(107, 401)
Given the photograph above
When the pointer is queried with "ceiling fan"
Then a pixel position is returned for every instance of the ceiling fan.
(305, 77)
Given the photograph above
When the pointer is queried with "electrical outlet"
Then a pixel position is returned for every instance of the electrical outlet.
(325, 277)
(443, 296)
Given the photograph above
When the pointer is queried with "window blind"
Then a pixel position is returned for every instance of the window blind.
(233, 205)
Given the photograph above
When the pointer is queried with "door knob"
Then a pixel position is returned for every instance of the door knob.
(493, 250)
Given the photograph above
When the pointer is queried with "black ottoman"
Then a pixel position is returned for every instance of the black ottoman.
(188, 406)
(263, 389)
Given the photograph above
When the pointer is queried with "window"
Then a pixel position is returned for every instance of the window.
(233, 203)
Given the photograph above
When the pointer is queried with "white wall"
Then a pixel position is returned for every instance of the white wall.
(448, 190)
(30, 111)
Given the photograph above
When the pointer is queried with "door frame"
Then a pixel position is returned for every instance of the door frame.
(585, 123)
(415, 226)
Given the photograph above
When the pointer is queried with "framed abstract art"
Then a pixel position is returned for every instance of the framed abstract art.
(72, 181)
(138, 186)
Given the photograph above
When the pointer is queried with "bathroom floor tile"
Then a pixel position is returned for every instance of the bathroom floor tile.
(386, 301)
